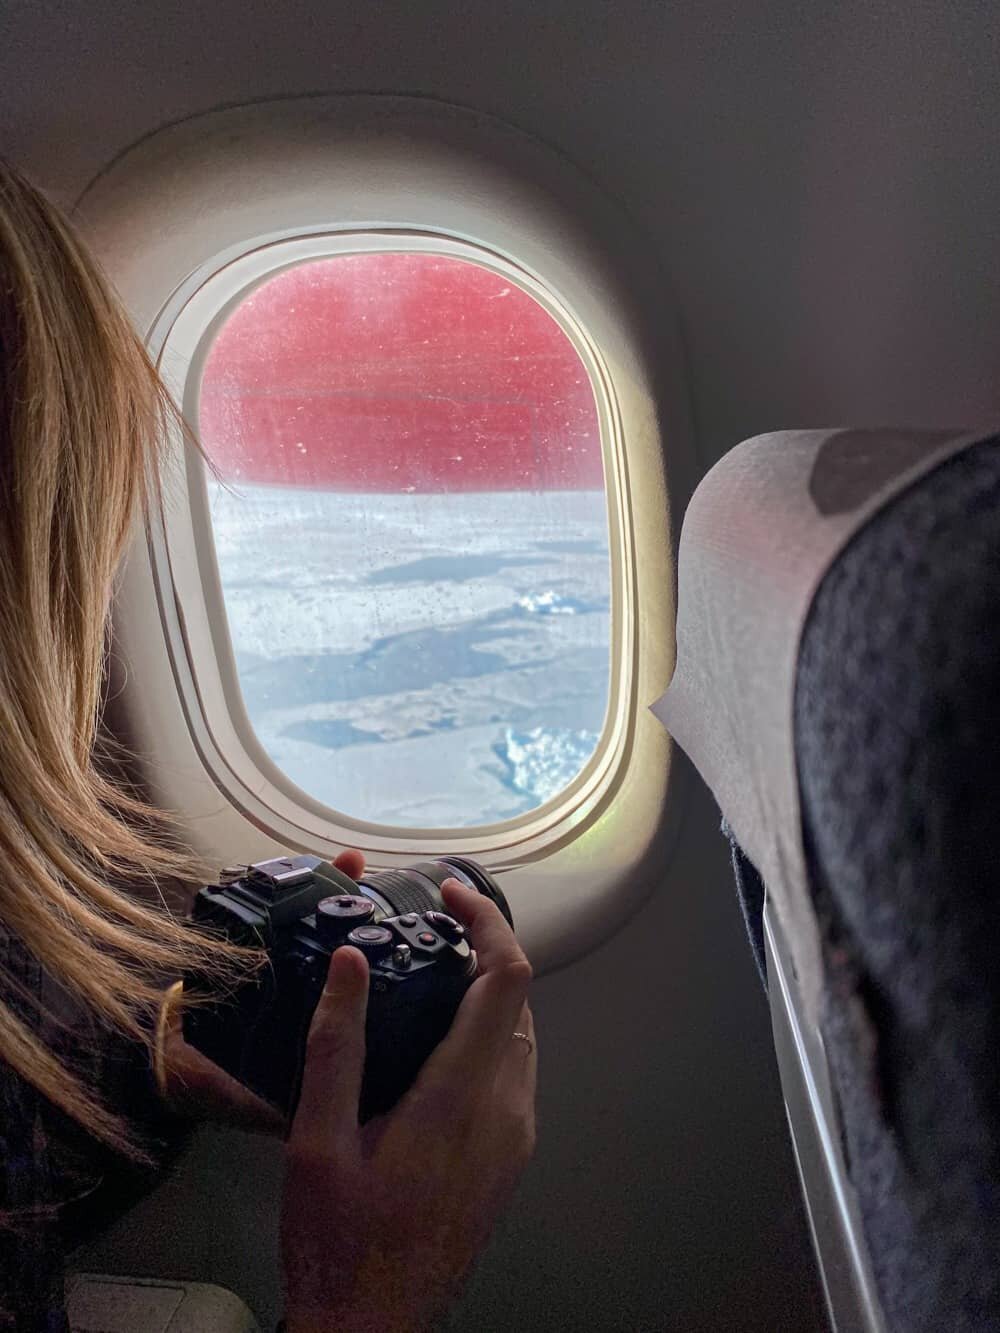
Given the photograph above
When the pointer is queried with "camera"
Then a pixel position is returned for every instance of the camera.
(300, 909)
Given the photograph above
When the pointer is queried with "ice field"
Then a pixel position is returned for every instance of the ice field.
(419, 659)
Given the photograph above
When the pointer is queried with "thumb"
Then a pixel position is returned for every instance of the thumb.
(335, 1057)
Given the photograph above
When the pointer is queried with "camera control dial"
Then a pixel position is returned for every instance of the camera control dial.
(336, 916)
(373, 941)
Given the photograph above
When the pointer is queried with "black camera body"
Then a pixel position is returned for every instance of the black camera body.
(300, 909)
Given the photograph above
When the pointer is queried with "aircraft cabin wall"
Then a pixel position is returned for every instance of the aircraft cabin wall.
(816, 189)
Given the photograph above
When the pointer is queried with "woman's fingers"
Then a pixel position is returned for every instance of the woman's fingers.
(472, 1051)
(335, 1056)
(196, 1086)
(351, 862)
(515, 1087)
(191, 1084)
(493, 939)
(518, 1073)
(466, 1063)
(524, 1054)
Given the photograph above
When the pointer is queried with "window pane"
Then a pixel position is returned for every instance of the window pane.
(411, 535)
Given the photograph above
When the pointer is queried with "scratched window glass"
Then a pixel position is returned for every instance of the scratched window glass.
(412, 538)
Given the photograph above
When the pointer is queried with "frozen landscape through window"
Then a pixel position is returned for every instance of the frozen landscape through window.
(412, 537)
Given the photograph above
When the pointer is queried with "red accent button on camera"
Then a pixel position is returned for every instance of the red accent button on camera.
(426, 938)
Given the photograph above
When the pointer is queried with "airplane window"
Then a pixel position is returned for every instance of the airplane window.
(411, 533)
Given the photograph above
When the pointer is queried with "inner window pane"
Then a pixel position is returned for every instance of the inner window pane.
(412, 536)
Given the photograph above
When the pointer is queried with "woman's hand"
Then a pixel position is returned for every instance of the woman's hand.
(195, 1087)
(198, 1089)
(380, 1222)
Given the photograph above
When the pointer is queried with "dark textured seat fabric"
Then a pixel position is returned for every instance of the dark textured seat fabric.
(897, 726)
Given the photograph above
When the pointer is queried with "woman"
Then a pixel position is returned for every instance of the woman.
(85, 963)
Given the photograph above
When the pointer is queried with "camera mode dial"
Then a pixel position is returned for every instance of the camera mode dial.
(337, 916)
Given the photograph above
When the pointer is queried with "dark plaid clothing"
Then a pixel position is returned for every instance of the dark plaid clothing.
(51, 1172)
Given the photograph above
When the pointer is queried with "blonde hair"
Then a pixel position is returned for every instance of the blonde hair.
(83, 422)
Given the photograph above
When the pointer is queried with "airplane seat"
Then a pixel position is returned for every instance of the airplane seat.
(897, 724)
(882, 653)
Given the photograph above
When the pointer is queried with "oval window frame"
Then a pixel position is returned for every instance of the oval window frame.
(183, 201)
(184, 554)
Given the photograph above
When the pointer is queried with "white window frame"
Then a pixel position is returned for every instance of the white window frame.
(187, 570)
(187, 221)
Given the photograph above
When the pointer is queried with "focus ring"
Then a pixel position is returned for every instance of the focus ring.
(404, 891)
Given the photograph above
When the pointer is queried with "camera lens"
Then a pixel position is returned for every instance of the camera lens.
(418, 888)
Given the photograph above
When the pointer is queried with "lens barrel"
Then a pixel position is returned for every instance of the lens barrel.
(418, 888)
